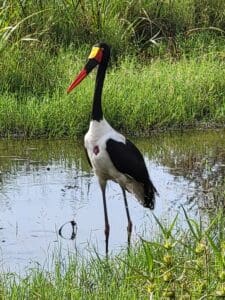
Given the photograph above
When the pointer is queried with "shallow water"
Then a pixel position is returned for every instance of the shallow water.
(46, 183)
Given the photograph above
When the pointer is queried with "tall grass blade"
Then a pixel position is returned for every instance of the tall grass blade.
(190, 225)
(216, 250)
(166, 232)
(149, 256)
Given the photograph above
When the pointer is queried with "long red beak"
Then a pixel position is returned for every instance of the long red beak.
(77, 80)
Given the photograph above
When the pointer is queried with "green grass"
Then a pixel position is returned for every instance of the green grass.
(35, 36)
(167, 58)
(175, 264)
(137, 98)
(135, 24)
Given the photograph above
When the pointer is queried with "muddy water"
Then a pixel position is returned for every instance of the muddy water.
(45, 184)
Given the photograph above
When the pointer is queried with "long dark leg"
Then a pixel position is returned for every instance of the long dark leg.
(129, 226)
(107, 228)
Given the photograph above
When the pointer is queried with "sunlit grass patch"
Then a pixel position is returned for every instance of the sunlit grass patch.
(136, 98)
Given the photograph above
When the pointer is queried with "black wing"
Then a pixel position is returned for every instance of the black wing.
(128, 159)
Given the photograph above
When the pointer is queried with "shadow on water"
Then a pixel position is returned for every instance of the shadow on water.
(45, 185)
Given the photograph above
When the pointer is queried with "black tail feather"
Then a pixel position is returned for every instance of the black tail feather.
(150, 192)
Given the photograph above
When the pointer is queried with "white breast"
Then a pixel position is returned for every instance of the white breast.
(97, 136)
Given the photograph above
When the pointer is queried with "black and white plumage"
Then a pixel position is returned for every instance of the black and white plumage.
(111, 155)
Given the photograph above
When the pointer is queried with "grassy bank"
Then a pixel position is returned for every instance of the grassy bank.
(158, 95)
(167, 57)
(173, 265)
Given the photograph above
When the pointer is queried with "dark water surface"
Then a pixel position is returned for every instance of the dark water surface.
(46, 183)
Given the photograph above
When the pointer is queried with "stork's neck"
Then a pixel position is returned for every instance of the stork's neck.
(97, 113)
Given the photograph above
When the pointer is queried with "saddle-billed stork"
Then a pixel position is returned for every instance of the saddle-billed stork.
(110, 154)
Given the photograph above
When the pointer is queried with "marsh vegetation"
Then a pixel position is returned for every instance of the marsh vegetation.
(167, 63)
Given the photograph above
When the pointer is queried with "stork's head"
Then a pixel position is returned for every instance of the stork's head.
(99, 55)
